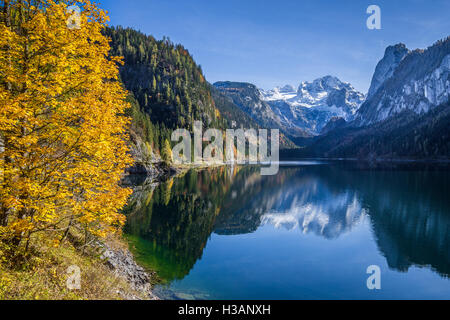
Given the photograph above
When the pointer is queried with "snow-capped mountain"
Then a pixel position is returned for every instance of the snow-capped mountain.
(314, 103)
(406, 116)
(285, 93)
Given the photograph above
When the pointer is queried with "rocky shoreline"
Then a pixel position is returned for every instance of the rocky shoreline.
(122, 263)
(120, 260)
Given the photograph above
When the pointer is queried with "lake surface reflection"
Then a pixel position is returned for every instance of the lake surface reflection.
(309, 232)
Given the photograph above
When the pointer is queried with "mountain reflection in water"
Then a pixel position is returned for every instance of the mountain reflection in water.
(408, 210)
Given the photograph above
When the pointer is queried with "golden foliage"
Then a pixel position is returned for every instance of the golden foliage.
(62, 128)
(166, 152)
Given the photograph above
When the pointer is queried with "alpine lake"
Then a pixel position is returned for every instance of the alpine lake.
(313, 231)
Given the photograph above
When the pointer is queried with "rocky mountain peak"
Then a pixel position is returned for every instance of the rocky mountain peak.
(326, 83)
(419, 82)
(386, 67)
(286, 89)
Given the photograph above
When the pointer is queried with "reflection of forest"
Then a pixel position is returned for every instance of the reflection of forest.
(171, 224)
(410, 214)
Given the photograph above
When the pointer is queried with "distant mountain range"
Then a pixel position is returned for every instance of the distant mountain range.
(405, 113)
(249, 99)
(298, 113)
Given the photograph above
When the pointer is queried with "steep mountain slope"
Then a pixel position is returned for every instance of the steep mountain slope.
(333, 124)
(420, 82)
(165, 80)
(246, 96)
(231, 113)
(167, 91)
(314, 103)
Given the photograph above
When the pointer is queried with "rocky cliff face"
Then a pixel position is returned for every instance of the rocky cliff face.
(419, 83)
(386, 67)
(314, 103)
(142, 154)
(146, 162)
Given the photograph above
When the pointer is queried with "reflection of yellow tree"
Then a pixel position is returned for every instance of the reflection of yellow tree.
(167, 191)
(149, 197)
(61, 122)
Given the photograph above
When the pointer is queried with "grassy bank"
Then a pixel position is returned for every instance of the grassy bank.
(42, 274)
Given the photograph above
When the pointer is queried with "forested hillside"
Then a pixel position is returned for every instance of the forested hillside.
(168, 86)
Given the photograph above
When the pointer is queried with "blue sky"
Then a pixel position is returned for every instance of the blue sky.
(272, 43)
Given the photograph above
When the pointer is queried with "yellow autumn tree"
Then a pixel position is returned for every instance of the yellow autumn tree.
(166, 153)
(62, 128)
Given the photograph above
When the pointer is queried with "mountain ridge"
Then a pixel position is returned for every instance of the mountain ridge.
(248, 98)
(298, 113)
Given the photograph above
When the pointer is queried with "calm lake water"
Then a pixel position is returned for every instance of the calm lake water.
(309, 232)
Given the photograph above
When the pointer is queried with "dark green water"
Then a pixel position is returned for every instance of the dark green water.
(309, 232)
